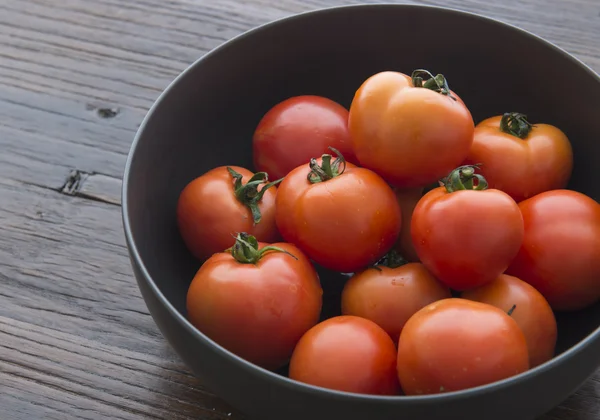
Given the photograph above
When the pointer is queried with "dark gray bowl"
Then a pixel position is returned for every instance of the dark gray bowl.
(206, 118)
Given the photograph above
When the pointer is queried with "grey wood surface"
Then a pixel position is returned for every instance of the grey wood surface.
(76, 78)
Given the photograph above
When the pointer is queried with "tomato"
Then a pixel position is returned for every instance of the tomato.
(528, 308)
(519, 158)
(390, 294)
(466, 234)
(456, 344)
(342, 216)
(224, 201)
(347, 353)
(295, 130)
(256, 300)
(560, 252)
(408, 199)
(409, 132)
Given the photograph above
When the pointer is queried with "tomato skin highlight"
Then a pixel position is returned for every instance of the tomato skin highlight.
(456, 344)
(522, 168)
(398, 130)
(531, 311)
(347, 353)
(209, 214)
(560, 252)
(256, 311)
(298, 128)
(390, 296)
(345, 223)
(466, 238)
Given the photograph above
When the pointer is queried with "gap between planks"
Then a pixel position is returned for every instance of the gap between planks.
(95, 187)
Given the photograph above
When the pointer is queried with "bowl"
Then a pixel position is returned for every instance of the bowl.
(207, 116)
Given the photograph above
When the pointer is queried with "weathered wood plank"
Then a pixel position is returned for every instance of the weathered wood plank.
(38, 159)
(101, 188)
(84, 379)
(76, 340)
(63, 264)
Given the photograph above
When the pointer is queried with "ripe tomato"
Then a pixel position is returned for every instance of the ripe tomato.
(528, 308)
(347, 353)
(297, 129)
(343, 217)
(390, 293)
(519, 158)
(256, 300)
(560, 253)
(214, 207)
(409, 131)
(456, 344)
(466, 235)
(408, 199)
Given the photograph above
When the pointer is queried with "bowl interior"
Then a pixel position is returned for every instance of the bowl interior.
(207, 116)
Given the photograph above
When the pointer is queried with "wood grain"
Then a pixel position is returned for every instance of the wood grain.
(76, 79)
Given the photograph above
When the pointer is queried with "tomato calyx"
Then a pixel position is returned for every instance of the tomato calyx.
(511, 310)
(328, 169)
(463, 177)
(248, 193)
(437, 83)
(245, 250)
(392, 259)
(515, 124)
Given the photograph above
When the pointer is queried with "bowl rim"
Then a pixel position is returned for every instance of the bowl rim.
(284, 380)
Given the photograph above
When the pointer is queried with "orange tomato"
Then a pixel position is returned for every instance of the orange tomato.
(224, 201)
(342, 216)
(456, 344)
(347, 353)
(295, 130)
(519, 158)
(257, 300)
(560, 252)
(410, 131)
(528, 308)
(390, 295)
(466, 235)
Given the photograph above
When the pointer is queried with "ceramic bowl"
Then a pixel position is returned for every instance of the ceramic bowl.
(207, 116)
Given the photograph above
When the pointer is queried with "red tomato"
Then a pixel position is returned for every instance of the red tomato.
(528, 307)
(214, 207)
(408, 199)
(347, 353)
(456, 344)
(256, 300)
(343, 217)
(519, 158)
(560, 253)
(390, 295)
(409, 131)
(297, 129)
(466, 235)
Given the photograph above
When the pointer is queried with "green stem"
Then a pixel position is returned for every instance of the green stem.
(511, 310)
(515, 124)
(328, 169)
(437, 83)
(245, 250)
(248, 194)
(468, 180)
(463, 177)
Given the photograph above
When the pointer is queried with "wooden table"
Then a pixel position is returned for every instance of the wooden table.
(76, 78)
